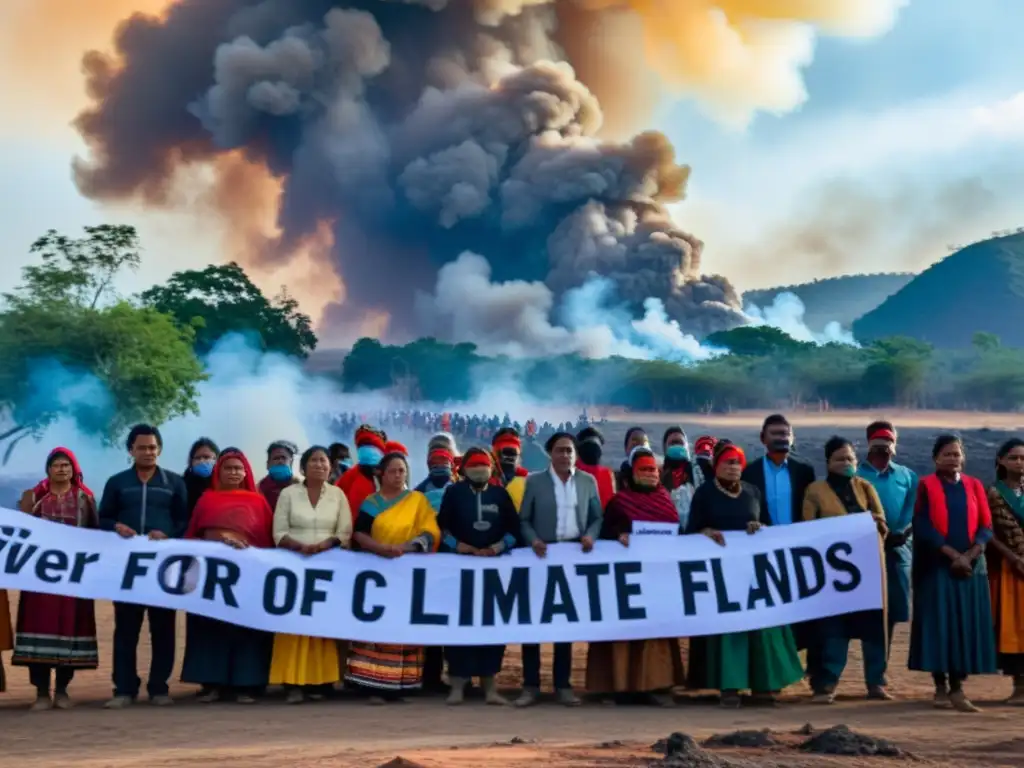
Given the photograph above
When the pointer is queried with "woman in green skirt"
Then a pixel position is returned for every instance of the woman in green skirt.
(763, 661)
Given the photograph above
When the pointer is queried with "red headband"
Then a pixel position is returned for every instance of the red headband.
(883, 434)
(704, 444)
(370, 438)
(440, 456)
(732, 452)
(507, 441)
(645, 462)
(393, 446)
(476, 459)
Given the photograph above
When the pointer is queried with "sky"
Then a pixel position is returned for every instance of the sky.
(907, 143)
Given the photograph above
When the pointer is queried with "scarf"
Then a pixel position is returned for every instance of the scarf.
(676, 473)
(244, 511)
(77, 481)
(652, 505)
(1007, 516)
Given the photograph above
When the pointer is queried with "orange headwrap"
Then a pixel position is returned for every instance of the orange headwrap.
(506, 440)
(366, 435)
(645, 462)
(477, 459)
(393, 446)
(731, 452)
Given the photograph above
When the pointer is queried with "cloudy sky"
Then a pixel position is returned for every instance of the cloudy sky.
(906, 143)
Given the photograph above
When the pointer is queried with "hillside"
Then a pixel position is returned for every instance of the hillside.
(842, 299)
(978, 288)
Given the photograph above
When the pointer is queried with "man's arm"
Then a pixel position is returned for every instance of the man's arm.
(526, 512)
(107, 512)
(594, 514)
(179, 507)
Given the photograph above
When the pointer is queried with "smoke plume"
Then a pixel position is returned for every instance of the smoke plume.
(416, 130)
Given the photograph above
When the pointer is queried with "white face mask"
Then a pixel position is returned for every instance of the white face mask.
(478, 475)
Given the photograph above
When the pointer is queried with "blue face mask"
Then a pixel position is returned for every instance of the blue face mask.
(202, 469)
(849, 471)
(441, 471)
(677, 452)
(369, 456)
(282, 473)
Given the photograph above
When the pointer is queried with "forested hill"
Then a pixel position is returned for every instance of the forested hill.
(978, 289)
(842, 299)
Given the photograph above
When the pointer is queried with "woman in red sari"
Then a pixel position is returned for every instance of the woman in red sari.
(644, 669)
(56, 635)
(225, 659)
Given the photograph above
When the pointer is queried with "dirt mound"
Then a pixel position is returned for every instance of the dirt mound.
(682, 751)
(401, 762)
(745, 739)
(840, 740)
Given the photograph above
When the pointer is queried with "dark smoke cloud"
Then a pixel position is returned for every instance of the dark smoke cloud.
(419, 129)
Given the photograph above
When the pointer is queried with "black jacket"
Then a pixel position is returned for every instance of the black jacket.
(159, 505)
(801, 475)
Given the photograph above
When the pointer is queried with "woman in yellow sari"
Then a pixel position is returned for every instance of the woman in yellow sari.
(392, 522)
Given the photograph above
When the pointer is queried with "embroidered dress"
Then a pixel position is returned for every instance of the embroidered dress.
(407, 517)
(1005, 583)
(52, 630)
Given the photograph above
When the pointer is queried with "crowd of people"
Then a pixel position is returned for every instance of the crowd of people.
(953, 552)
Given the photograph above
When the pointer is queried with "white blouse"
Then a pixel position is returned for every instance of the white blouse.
(297, 518)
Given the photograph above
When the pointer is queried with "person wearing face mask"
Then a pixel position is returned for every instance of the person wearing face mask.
(477, 518)
(951, 635)
(341, 461)
(763, 661)
(703, 449)
(646, 670)
(843, 492)
(679, 474)
(591, 447)
(198, 475)
(280, 459)
(360, 482)
(780, 477)
(508, 473)
(635, 438)
(896, 486)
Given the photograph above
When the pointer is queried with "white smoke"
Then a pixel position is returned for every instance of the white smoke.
(519, 318)
(786, 312)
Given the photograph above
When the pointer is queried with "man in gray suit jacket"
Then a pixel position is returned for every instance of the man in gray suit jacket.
(559, 504)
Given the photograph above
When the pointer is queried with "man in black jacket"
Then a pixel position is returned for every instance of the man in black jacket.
(145, 500)
(781, 478)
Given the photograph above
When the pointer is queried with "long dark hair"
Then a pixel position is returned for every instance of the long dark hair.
(1003, 452)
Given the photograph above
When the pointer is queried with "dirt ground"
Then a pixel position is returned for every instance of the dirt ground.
(424, 732)
(348, 732)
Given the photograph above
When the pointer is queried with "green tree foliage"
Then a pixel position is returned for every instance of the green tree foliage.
(221, 299)
(68, 346)
(771, 372)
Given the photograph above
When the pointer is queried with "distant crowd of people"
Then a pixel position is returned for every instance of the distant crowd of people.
(953, 550)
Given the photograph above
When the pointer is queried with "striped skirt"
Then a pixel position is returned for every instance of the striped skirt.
(383, 667)
(55, 631)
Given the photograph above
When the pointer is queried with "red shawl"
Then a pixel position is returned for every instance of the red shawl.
(77, 480)
(357, 488)
(628, 505)
(243, 511)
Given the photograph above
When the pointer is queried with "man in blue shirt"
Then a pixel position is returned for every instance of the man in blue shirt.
(897, 488)
(781, 478)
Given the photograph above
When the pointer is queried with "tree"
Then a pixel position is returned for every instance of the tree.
(65, 352)
(985, 342)
(756, 341)
(80, 271)
(221, 299)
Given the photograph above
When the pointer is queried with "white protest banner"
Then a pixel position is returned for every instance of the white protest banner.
(658, 586)
(645, 528)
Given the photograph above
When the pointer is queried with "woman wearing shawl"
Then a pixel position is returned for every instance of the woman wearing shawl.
(1005, 556)
(679, 474)
(843, 492)
(228, 660)
(392, 522)
(763, 661)
(360, 482)
(311, 517)
(590, 444)
(57, 635)
(648, 669)
(477, 518)
(199, 475)
(951, 635)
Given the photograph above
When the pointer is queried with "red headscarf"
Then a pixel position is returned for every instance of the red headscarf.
(730, 451)
(242, 510)
(77, 480)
